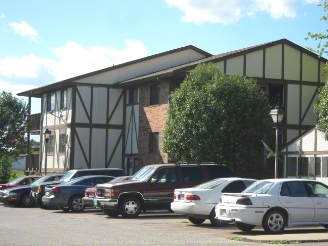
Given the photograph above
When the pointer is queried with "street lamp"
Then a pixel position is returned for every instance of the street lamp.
(47, 134)
(277, 114)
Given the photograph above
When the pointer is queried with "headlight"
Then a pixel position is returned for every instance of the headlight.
(109, 192)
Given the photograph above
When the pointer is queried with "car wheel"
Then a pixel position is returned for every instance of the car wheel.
(75, 203)
(65, 209)
(40, 204)
(216, 222)
(26, 201)
(244, 227)
(130, 207)
(274, 222)
(111, 213)
(195, 221)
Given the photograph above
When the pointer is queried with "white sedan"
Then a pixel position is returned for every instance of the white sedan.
(275, 204)
(198, 203)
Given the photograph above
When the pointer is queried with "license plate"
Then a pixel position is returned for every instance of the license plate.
(47, 193)
(180, 196)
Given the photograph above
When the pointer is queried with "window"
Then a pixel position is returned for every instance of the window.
(317, 166)
(51, 146)
(133, 95)
(63, 99)
(318, 190)
(234, 187)
(303, 169)
(153, 142)
(165, 175)
(154, 94)
(51, 101)
(62, 143)
(296, 189)
(276, 95)
(291, 166)
(191, 174)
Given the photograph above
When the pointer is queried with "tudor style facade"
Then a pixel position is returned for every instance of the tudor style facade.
(115, 117)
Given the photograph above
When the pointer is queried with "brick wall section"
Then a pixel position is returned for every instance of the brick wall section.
(152, 118)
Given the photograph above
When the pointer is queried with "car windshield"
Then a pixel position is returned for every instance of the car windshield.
(144, 173)
(67, 176)
(259, 187)
(73, 181)
(211, 184)
(16, 181)
(40, 180)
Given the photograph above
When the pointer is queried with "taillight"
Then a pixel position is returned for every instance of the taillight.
(244, 201)
(56, 190)
(174, 196)
(192, 198)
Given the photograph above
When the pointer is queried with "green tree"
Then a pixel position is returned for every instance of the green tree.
(322, 38)
(321, 109)
(219, 118)
(6, 163)
(13, 125)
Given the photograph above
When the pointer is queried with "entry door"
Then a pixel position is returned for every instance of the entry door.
(295, 197)
(320, 200)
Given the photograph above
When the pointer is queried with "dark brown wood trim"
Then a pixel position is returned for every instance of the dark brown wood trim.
(83, 152)
(115, 107)
(309, 105)
(304, 153)
(72, 152)
(286, 113)
(114, 150)
(135, 127)
(283, 61)
(301, 66)
(263, 72)
(298, 127)
(91, 129)
(107, 113)
(99, 126)
(129, 127)
(292, 82)
(83, 105)
(319, 71)
(300, 109)
(124, 128)
(315, 139)
(225, 66)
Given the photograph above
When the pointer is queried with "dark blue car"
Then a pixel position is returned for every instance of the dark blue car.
(21, 195)
(68, 196)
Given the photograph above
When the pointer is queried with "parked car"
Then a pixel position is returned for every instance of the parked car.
(152, 187)
(90, 200)
(275, 204)
(198, 202)
(24, 180)
(68, 196)
(21, 195)
(37, 191)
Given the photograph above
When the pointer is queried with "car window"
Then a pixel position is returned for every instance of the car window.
(259, 187)
(211, 184)
(67, 176)
(285, 190)
(165, 175)
(144, 173)
(217, 171)
(191, 174)
(16, 181)
(234, 187)
(317, 189)
(248, 182)
(296, 189)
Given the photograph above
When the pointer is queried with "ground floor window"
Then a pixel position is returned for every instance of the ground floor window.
(307, 166)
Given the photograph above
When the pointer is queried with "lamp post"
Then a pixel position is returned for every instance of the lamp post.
(47, 134)
(277, 114)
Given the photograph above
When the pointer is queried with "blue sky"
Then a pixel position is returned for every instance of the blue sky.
(43, 42)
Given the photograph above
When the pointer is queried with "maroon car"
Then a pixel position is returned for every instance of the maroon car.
(25, 180)
(89, 199)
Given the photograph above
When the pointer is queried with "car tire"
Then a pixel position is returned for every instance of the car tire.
(216, 222)
(65, 209)
(274, 221)
(26, 201)
(40, 204)
(130, 207)
(111, 213)
(244, 227)
(195, 221)
(75, 203)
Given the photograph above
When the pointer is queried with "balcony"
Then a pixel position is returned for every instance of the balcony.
(35, 123)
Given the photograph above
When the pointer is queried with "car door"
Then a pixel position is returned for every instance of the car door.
(160, 187)
(295, 197)
(320, 200)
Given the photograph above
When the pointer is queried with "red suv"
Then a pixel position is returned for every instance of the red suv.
(152, 187)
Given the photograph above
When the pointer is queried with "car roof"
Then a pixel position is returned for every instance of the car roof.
(184, 164)
(287, 179)
(32, 176)
(91, 169)
(237, 178)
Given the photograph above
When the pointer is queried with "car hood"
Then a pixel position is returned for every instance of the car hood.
(20, 188)
(120, 184)
(49, 183)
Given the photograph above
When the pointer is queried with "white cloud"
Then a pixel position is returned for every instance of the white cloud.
(25, 30)
(18, 74)
(226, 12)
(2, 16)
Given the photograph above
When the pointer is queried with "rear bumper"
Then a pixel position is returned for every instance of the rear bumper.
(192, 208)
(53, 201)
(88, 202)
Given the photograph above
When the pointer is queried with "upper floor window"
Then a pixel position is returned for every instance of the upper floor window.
(51, 101)
(63, 99)
(153, 142)
(62, 143)
(154, 94)
(133, 95)
(276, 95)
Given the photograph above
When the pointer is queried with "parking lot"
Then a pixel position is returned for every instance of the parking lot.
(34, 226)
